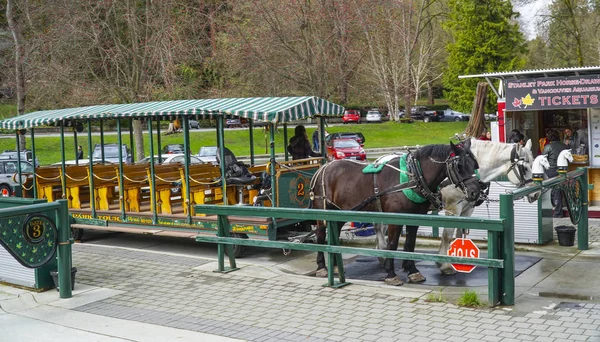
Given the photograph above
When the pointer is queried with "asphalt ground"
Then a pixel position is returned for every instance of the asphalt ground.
(139, 288)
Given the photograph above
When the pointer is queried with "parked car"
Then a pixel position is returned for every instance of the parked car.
(8, 169)
(236, 122)
(373, 116)
(345, 149)
(173, 148)
(171, 159)
(351, 115)
(418, 113)
(208, 154)
(452, 115)
(111, 153)
(359, 137)
(194, 124)
(26, 155)
(491, 117)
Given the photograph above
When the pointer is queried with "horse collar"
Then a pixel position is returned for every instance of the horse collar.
(416, 174)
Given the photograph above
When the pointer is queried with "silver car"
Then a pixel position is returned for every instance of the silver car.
(208, 154)
(8, 175)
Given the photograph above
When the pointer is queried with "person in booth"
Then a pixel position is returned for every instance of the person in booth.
(552, 150)
(299, 146)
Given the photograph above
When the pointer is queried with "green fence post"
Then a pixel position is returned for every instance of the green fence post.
(507, 274)
(223, 231)
(494, 288)
(582, 226)
(64, 250)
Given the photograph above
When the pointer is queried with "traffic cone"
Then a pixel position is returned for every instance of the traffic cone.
(4, 192)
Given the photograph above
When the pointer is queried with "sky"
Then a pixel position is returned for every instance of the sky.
(531, 12)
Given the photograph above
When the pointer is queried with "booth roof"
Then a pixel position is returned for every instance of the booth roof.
(271, 109)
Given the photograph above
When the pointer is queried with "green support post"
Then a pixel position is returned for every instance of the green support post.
(131, 147)
(91, 158)
(19, 190)
(186, 166)
(223, 231)
(75, 142)
(273, 166)
(285, 142)
(62, 154)
(333, 258)
(35, 189)
(583, 226)
(251, 127)
(494, 288)
(64, 250)
(120, 144)
(221, 144)
(102, 141)
(152, 175)
(507, 274)
(158, 140)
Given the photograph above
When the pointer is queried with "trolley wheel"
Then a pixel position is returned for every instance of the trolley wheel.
(238, 251)
(76, 233)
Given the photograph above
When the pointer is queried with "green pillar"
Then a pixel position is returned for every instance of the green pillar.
(251, 126)
(507, 274)
(20, 189)
(583, 226)
(91, 166)
(221, 143)
(35, 190)
(75, 142)
(285, 142)
(101, 140)
(152, 173)
(131, 143)
(158, 141)
(64, 250)
(119, 146)
(186, 165)
(62, 154)
(273, 166)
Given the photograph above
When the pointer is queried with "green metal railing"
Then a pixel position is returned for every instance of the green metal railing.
(500, 240)
(501, 249)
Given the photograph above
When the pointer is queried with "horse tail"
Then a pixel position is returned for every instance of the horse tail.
(317, 189)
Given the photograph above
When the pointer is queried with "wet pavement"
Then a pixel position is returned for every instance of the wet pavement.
(142, 291)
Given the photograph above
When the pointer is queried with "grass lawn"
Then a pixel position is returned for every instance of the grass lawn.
(387, 134)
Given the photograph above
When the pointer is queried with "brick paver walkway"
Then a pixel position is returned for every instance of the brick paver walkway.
(169, 290)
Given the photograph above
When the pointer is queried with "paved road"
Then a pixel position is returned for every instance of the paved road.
(136, 288)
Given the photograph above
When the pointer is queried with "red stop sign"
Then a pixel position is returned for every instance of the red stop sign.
(463, 248)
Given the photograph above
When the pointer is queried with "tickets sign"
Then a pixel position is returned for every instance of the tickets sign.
(553, 93)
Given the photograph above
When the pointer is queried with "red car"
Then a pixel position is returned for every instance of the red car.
(351, 115)
(345, 149)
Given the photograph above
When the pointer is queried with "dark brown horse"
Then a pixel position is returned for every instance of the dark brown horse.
(342, 185)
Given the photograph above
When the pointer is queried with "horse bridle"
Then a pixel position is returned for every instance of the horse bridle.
(517, 166)
(453, 173)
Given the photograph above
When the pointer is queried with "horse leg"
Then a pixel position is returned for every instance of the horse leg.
(414, 276)
(447, 234)
(393, 236)
(320, 233)
(381, 242)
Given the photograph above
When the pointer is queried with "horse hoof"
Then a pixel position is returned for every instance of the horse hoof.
(448, 271)
(395, 281)
(416, 278)
(321, 273)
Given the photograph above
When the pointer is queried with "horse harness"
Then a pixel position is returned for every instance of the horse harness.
(518, 167)
(416, 182)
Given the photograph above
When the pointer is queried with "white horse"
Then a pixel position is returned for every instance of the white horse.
(495, 159)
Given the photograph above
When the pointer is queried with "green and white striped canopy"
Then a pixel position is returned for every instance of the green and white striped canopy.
(271, 109)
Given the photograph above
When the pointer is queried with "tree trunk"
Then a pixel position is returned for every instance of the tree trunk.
(138, 139)
(15, 30)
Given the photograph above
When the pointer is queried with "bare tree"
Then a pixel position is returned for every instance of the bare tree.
(17, 35)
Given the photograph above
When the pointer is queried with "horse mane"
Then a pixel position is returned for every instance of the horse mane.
(435, 151)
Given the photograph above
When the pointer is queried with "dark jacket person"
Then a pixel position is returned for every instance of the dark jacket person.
(552, 150)
(299, 146)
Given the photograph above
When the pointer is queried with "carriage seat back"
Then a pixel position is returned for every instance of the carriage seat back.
(235, 172)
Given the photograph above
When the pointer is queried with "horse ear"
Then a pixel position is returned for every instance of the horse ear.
(467, 144)
(528, 144)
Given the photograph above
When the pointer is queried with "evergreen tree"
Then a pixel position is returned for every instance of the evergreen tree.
(486, 38)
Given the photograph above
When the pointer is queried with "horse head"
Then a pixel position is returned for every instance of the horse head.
(461, 170)
(564, 158)
(520, 171)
